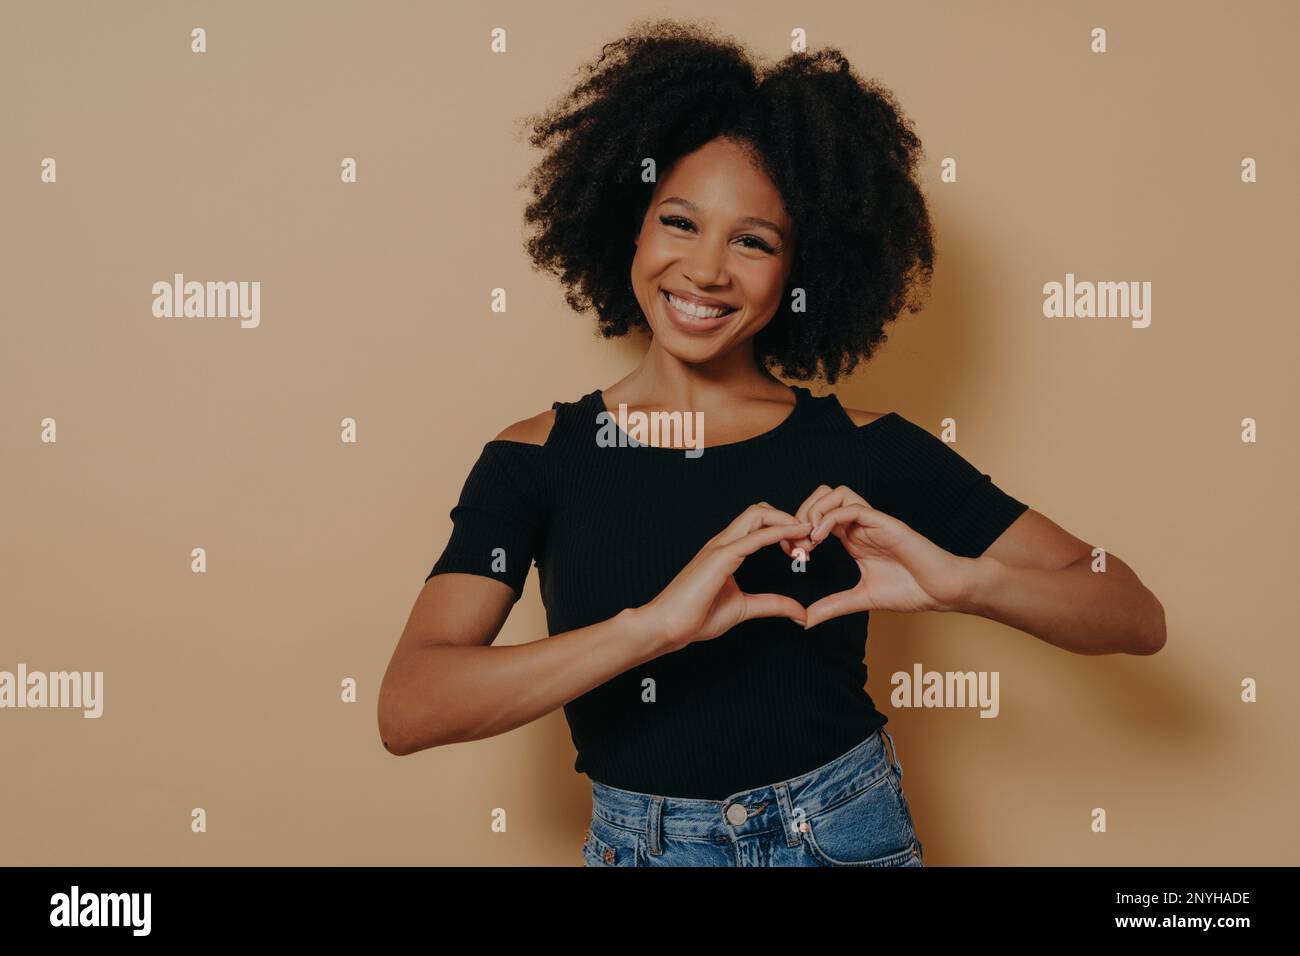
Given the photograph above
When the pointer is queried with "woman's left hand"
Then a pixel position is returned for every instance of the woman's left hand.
(901, 569)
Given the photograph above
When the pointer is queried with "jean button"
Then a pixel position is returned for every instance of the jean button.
(736, 814)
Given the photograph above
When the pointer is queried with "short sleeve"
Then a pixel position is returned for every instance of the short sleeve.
(498, 519)
(922, 481)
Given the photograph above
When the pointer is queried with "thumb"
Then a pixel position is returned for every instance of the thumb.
(773, 605)
(832, 606)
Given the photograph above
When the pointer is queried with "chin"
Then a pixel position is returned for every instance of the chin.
(684, 352)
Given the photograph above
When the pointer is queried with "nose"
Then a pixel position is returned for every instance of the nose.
(705, 266)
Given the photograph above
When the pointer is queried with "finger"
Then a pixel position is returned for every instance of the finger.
(801, 514)
(738, 549)
(836, 517)
(851, 495)
(819, 517)
(835, 605)
(835, 498)
(817, 507)
(862, 526)
(755, 516)
(792, 549)
(772, 605)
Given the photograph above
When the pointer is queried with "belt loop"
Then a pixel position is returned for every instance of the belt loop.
(793, 837)
(893, 753)
(652, 826)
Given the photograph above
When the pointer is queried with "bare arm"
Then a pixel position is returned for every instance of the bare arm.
(444, 684)
(1038, 577)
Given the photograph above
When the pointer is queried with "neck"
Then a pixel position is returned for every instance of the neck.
(662, 380)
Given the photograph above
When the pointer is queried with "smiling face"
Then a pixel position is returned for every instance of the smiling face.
(715, 234)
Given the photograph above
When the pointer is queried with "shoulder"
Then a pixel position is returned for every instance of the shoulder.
(515, 462)
(529, 431)
(860, 417)
(857, 418)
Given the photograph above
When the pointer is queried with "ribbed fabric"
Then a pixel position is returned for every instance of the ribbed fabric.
(609, 527)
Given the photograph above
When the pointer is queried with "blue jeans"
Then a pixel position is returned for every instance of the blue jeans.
(849, 812)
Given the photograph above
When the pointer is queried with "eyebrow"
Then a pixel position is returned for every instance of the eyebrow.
(747, 221)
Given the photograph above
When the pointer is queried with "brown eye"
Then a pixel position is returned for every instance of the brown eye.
(679, 222)
(675, 221)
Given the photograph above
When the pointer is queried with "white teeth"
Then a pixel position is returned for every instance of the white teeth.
(690, 308)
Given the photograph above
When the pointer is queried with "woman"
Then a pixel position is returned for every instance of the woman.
(713, 684)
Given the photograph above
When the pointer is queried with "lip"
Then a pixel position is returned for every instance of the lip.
(701, 300)
(689, 323)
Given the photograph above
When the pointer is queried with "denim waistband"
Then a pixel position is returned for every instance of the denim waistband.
(772, 806)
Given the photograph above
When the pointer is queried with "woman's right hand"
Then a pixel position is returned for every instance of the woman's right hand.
(704, 601)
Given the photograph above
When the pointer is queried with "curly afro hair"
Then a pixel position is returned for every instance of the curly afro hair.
(838, 148)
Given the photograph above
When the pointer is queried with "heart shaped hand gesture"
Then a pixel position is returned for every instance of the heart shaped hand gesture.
(901, 569)
(703, 601)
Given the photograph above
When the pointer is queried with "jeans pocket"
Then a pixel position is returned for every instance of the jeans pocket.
(896, 784)
(871, 827)
(606, 845)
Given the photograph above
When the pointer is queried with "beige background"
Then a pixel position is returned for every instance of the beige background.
(222, 689)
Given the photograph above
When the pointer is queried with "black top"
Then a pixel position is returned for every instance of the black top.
(610, 527)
